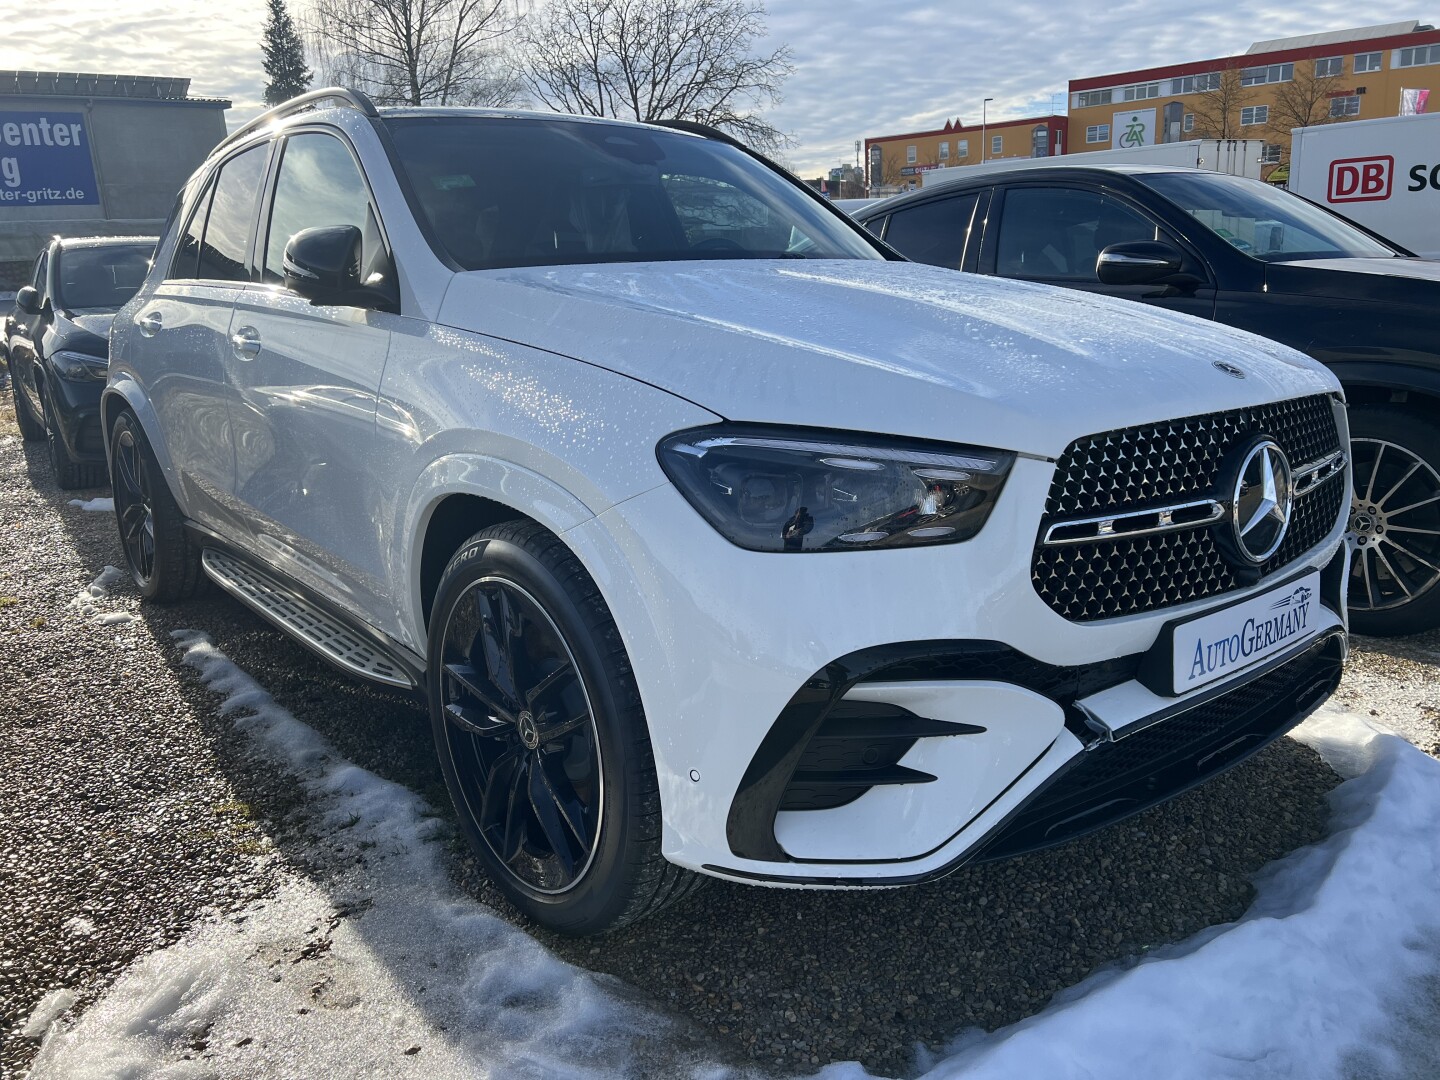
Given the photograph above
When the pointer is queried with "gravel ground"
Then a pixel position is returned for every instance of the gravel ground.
(131, 806)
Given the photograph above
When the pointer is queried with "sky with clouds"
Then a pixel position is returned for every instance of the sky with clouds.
(862, 67)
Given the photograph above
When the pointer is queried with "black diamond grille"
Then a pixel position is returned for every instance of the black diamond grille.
(1163, 464)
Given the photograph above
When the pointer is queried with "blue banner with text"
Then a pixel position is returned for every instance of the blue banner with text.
(45, 160)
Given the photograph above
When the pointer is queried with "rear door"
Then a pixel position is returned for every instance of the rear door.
(307, 379)
(938, 231)
(187, 326)
(26, 333)
(1053, 234)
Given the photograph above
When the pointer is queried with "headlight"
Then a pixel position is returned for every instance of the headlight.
(77, 367)
(771, 490)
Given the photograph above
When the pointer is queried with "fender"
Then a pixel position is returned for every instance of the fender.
(485, 477)
(1382, 371)
(124, 390)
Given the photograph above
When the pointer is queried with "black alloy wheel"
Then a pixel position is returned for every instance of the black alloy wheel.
(1394, 523)
(541, 735)
(163, 559)
(522, 735)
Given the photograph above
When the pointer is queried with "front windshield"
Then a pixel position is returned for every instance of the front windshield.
(100, 278)
(1264, 221)
(521, 192)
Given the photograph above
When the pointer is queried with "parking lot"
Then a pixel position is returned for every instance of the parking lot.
(134, 808)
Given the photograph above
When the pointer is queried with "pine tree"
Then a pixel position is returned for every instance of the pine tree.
(284, 56)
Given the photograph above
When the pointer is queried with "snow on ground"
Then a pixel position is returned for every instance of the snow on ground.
(51, 1006)
(384, 969)
(84, 601)
(105, 506)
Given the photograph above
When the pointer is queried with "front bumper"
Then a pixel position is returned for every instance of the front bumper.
(75, 412)
(741, 656)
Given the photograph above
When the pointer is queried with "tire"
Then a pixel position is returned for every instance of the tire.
(163, 559)
(542, 738)
(32, 428)
(69, 473)
(1394, 522)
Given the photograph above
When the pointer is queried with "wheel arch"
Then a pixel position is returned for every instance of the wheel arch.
(1410, 386)
(124, 394)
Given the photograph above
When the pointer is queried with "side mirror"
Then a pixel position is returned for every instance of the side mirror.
(323, 265)
(1139, 262)
(28, 300)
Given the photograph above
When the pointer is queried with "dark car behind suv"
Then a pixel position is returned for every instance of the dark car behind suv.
(58, 344)
(1244, 253)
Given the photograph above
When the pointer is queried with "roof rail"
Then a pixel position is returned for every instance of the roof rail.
(339, 95)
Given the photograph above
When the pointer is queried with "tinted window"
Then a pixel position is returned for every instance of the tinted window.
(232, 211)
(511, 192)
(187, 249)
(1263, 221)
(39, 279)
(319, 185)
(934, 232)
(100, 278)
(1058, 233)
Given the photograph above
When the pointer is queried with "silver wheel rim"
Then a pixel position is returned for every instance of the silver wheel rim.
(1394, 526)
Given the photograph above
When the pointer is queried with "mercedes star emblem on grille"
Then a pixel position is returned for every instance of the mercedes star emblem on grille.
(1261, 501)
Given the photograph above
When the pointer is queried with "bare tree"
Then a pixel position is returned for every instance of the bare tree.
(1217, 110)
(1302, 102)
(658, 60)
(416, 52)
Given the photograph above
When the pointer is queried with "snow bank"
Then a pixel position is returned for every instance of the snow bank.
(379, 968)
(99, 506)
(382, 969)
(47, 1012)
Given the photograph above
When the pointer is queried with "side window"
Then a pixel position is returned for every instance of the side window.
(39, 279)
(876, 225)
(319, 185)
(1057, 233)
(232, 211)
(187, 250)
(935, 232)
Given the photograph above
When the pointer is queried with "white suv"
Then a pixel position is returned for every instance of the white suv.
(834, 574)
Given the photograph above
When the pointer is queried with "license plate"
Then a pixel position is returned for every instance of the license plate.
(1230, 640)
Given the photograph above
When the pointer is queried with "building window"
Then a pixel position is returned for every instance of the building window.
(1254, 114)
(1342, 107)
(944, 151)
(1422, 54)
(1088, 98)
(909, 155)
(1329, 67)
(1097, 133)
(1141, 91)
(1271, 154)
(1188, 124)
(1368, 61)
(1195, 84)
(962, 148)
(996, 142)
(1258, 76)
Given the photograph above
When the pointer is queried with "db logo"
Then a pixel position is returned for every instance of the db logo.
(1361, 179)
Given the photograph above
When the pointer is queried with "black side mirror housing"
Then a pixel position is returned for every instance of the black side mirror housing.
(323, 265)
(1139, 262)
(28, 300)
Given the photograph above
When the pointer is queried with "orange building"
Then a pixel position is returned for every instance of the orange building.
(896, 162)
(1275, 86)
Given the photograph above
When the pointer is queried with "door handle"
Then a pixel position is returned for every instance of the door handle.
(246, 343)
(150, 323)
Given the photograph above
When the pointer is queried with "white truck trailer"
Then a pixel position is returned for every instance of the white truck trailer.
(1238, 157)
(1383, 174)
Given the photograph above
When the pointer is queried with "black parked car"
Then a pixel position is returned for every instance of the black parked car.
(1247, 254)
(58, 341)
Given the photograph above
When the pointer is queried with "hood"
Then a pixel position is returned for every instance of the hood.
(89, 334)
(891, 347)
(1398, 281)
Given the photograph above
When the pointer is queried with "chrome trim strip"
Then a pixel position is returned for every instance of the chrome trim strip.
(1309, 477)
(1111, 527)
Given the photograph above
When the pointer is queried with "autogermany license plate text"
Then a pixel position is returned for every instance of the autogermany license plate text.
(1227, 641)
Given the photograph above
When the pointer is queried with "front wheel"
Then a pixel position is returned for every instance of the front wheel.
(1394, 522)
(541, 735)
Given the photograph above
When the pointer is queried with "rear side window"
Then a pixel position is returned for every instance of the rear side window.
(934, 232)
(187, 250)
(319, 185)
(232, 212)
(1057, 234)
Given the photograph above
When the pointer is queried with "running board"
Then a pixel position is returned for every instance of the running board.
(321, 631)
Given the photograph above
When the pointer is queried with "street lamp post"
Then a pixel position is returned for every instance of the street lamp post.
(984, 143)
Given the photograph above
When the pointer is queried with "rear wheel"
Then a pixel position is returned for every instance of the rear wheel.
(163, 559)
(541, 736)
(69, 473)
(32, 428)
(1394, 522)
